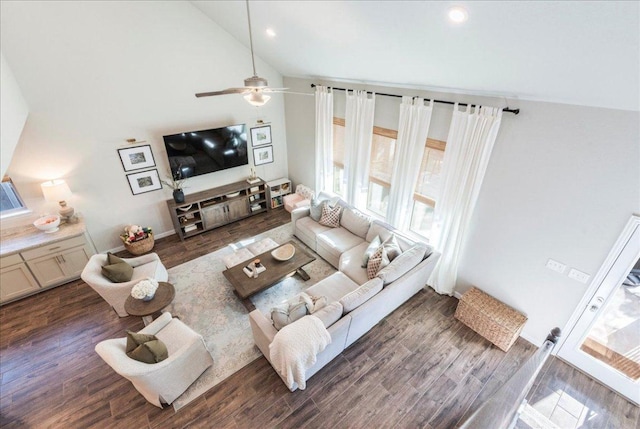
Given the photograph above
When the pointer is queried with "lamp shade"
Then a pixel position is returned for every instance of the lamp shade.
(257, 98)
(56, 190)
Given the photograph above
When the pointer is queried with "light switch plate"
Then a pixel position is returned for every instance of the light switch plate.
(578, 275)
(556, 266)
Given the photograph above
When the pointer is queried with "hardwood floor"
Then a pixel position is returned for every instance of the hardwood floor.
(418, 368)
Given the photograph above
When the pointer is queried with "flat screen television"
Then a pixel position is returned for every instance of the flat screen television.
(200, 152)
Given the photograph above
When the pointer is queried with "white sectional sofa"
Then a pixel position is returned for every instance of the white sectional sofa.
(355, 302)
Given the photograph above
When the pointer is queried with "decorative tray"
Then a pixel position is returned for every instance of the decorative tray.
(284, 253)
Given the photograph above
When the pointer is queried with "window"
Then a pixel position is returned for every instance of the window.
(10, 201)
(427, 188)
(383, 147)
(380, 167)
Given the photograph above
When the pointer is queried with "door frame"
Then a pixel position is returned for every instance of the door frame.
(575, 334)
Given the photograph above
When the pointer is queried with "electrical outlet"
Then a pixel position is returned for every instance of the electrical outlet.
(556, 266)
(578, 275)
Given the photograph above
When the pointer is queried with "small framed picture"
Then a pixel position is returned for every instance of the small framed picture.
(136, 158)
(261, 135)
(145, 181)
(263, 155)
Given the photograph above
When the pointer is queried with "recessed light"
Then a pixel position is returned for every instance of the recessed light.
(458, 14)
(270, 32)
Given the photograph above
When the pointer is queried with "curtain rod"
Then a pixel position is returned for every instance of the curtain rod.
(506, 109)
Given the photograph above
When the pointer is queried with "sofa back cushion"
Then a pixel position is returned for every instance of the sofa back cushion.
(355, 222)
(329, 314)
(403, 263)
(356, 298)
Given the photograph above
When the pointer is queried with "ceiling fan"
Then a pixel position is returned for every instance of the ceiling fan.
(255, 87)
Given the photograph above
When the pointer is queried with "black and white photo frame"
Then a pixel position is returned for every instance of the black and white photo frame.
(136, 158)
(261, 135)
(144, 181)
(262, 155)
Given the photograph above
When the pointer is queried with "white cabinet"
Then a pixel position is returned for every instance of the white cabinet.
(48, 265)
(15, 278)
(277, 189)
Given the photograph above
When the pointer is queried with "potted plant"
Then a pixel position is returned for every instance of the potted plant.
(175, 182)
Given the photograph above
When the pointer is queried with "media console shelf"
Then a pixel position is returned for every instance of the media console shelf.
(215, 207)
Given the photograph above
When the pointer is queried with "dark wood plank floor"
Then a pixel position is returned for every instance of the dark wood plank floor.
(418, 368)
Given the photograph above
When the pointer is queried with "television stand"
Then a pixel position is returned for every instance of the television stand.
(206, 210)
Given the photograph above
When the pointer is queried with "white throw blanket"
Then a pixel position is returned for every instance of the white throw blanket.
(294, 349)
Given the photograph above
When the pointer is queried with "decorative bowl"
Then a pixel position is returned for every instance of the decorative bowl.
(284, 253)
(47, 223)
(233, 194)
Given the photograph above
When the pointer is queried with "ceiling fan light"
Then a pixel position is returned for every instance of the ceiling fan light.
(257, 99)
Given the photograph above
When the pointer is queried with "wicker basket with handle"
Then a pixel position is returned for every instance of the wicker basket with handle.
(141, 246)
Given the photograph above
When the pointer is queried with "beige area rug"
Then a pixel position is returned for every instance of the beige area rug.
(205, 301)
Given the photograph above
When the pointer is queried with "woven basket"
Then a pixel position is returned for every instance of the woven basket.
(494, 320)
(141, 246)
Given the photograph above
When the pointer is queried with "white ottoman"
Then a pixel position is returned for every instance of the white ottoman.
(262, 246)
(238, 257)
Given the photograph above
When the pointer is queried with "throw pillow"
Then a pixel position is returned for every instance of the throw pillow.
(377, 261)
(313, 303)
(134, 339)
(287, 313)
(113, 259)
(330, 216)
(315, 209)
(150, 352)
(119, 272)
(392, 247)
(373, 246)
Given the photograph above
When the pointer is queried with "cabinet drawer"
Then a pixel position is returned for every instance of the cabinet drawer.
(56, 247)
(7, 261)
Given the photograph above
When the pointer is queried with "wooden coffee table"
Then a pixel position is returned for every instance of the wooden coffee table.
(146, 309)
(276, 271)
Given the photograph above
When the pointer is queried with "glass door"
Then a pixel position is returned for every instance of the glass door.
(605, 341)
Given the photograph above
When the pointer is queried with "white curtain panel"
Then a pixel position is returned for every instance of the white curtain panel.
(471, 138)
(324, 139)
(357, 146)
(413, 128)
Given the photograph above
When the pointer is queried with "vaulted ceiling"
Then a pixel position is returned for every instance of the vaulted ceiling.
(574, 52)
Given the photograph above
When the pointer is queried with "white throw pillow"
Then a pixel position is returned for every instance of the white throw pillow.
(285, 314)
(371, 249)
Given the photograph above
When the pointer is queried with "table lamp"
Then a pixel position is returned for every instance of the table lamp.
(58, 191)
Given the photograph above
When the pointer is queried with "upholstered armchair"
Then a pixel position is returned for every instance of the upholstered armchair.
(301, 198)
(162, 382)
(116, 294)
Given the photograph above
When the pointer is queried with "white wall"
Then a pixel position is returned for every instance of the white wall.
(562, 182)
(14, 114)
(97, 73)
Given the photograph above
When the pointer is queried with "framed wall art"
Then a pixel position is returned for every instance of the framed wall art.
(145, 181)
(136, 158)
(261, 135)
(263, 155)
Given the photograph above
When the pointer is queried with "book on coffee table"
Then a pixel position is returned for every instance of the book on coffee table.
(248, 270)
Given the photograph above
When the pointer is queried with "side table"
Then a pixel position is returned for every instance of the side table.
(146, 309)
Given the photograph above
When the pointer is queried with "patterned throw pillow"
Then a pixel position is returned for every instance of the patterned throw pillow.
(330, 216)
(377, 261)
(371, 249)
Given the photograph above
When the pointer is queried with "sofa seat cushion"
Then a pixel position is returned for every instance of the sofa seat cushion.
(351, 263)
(403, 264)
(364, 293)
(310, 228)
(336, 241)
(333, 287)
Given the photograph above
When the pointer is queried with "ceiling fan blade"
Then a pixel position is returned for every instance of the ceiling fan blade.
(274, 89)
(224, 92)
